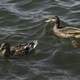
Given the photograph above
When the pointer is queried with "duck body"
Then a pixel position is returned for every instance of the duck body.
(60, 33)
(19, 50)
(63, 32)
(67, 32)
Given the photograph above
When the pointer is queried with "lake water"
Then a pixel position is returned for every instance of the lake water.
(54, 58)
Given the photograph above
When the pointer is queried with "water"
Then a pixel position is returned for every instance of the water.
(54, 58)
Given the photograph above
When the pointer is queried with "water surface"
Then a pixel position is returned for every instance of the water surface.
(54, 58)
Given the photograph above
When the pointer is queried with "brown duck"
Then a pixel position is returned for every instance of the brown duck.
(19, 50)
(64, 32)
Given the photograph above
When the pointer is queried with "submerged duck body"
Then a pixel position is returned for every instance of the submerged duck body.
(67, 32)
(19, 50)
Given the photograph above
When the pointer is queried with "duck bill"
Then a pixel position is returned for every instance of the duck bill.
(48, 20)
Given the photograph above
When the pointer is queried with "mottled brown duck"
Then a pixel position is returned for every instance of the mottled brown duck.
(19, 50)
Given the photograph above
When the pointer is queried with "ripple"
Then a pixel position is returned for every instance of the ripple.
(23, 20)
(17, 9)
(67, 3)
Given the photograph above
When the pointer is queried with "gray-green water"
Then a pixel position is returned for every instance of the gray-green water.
(54, 59)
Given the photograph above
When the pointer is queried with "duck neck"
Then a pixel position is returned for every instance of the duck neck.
(56, 26)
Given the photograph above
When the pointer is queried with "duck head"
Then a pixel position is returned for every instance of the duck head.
(5, 49)
(54, 20)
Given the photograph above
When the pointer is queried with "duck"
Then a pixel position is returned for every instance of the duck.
(63, 32)
(72, 33)
(7, 50)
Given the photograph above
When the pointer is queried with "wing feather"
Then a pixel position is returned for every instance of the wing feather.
(71, 30)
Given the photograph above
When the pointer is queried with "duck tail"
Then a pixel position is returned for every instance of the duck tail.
(33, 44)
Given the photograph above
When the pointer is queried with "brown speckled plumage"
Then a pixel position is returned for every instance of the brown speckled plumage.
(19, 50)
